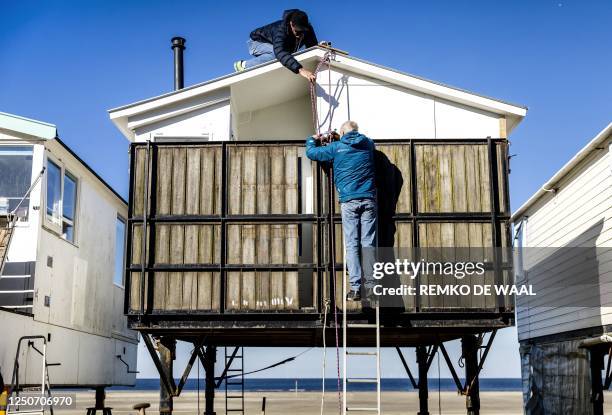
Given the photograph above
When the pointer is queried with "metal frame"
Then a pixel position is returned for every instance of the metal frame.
(147, 267)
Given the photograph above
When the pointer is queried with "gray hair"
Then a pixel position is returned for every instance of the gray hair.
(348, 126)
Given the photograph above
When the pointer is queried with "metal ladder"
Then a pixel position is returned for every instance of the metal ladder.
(346, 353)
(45, 385)
(235, 377)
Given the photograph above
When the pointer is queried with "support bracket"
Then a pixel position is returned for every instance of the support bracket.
(465, 388)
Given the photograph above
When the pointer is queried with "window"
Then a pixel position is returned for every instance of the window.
(68, 207)
(61, 200)
(15, 179)
(119, 251)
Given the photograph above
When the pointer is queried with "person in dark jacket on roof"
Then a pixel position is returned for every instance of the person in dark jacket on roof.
(279, 40)
(352, 157)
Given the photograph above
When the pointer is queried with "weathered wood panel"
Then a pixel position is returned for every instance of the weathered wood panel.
(269, 179)
(452, 178)
(264, 180)
(457, 241)
(267, 244)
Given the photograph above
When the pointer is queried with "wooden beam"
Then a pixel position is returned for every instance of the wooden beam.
(503, 130)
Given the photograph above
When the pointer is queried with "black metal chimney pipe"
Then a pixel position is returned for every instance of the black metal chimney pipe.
(178, 45)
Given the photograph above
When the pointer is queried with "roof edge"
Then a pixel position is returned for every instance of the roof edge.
(27, 126)
(318, 51)
(564, 171)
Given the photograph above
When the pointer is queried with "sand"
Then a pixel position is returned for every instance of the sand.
(302, 403)
(282, 403)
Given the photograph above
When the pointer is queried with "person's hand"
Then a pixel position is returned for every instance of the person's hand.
(308, 75)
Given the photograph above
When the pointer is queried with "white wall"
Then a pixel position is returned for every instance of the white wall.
(86, 360)
(385, 111)
(578, 214)
(85, 315)
(199, 117)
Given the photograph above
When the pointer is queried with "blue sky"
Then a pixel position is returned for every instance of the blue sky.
(69, 62)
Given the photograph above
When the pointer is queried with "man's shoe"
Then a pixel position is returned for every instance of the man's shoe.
(239, 66)
(353, 295)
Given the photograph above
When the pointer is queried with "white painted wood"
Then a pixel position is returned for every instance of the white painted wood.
(366, 91)
(85, 317)
(577, 213)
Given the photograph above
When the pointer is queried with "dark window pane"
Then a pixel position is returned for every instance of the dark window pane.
(119, 251)
(69, 204)
(54, 183)
(15, 178)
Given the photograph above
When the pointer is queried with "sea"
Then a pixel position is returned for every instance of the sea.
(331, 384)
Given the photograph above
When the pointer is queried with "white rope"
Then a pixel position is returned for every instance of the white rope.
(324, 355)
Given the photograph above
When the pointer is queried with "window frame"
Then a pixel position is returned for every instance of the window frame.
(124, 254)
(48, 221)
(20, 220)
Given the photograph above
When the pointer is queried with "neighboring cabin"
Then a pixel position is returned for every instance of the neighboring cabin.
(63, 274)
(564, 232)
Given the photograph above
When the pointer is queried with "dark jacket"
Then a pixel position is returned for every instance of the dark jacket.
(353, 160)
(284, 42)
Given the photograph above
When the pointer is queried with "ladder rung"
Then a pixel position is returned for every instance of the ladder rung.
(234, 383)
(234, 370)
(362, 353)
(364, 409)
(362, 380)
(361, 326)
(234, 410)
(234, 397)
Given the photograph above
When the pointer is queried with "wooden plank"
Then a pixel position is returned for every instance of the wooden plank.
(501, 183)
(402, 162)
(135, 260)
(292, 295)
(277, 179)
(164, 181)
(262, 281)
(503, 131)
(178, 180)
(139, 182)
(174, 287)
(205, 256)
(476, 253)
(445, 180)
(277, 255)
(190, 279)
(248, 288)
(218, 178)
(291, 180)
(484, 180)
(162, 256)
(263, 180)
(459, 179)
(235, 181)
(249, 180)
(193, 181)
(472, 179)
(209, 190)
(234, 256)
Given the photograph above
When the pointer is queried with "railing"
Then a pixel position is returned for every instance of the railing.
(236, 228)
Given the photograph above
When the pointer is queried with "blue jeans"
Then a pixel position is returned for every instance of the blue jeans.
(359, 228)
(262, 52)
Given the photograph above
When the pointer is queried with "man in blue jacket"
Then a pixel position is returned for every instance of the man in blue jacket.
(352, 157)
(279, 40)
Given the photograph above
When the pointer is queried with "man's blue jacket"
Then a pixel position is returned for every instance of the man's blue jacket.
(353, 160)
